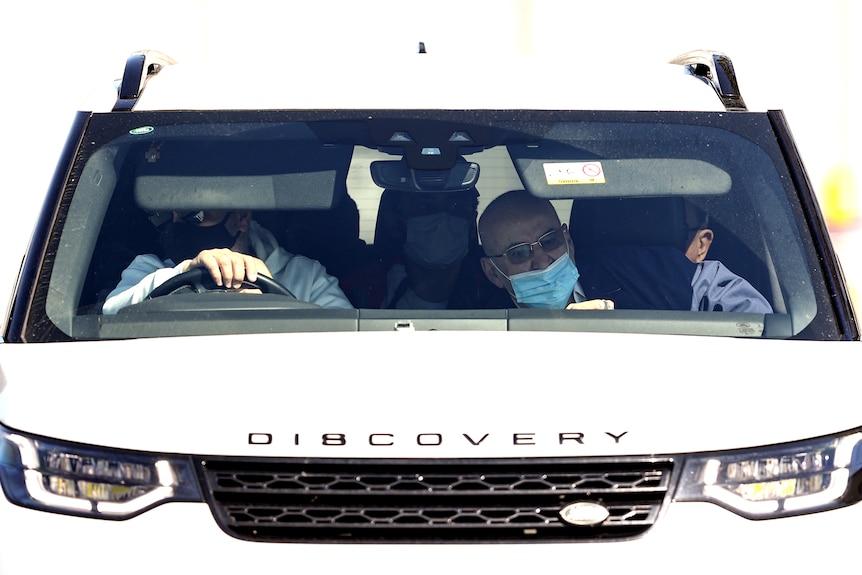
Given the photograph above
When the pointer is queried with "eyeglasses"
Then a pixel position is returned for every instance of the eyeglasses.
(519, 253)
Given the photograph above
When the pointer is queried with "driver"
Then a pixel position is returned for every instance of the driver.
(233, 248)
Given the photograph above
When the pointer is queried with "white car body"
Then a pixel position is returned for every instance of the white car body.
(405, 394)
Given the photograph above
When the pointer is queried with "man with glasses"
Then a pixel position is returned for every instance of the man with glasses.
(232, 248)
(529, 253)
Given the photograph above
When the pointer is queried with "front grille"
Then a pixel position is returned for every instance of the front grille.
(440, 500)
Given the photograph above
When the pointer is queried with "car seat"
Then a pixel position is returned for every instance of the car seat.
(657, 221)
(650, 221)
(329, 236)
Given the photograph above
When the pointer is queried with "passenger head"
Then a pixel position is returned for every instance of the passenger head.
(522, 234)
(434, 229)
(189, 233)
(699, 235)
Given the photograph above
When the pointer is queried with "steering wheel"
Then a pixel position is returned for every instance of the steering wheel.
(199, 280)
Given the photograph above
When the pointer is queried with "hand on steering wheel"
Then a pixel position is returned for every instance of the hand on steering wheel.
(227, 267)
(199, 280)
(221, 269)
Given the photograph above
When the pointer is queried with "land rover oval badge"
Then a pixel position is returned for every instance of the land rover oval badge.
(584, 513)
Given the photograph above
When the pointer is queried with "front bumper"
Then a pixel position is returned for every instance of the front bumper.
(184, 537)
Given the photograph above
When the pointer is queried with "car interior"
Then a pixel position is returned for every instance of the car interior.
(321, 189)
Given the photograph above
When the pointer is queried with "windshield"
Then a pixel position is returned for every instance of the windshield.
(564, 221)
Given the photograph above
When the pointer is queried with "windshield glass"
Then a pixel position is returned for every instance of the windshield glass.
(565, 221)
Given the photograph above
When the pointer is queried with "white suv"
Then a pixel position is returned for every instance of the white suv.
(355, 418)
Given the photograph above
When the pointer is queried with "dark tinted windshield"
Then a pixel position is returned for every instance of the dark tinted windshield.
(371, 221)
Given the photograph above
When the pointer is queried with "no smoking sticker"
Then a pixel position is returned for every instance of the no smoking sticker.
(574, 173)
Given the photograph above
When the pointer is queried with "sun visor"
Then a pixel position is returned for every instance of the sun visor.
(259, 175)
(553, 176)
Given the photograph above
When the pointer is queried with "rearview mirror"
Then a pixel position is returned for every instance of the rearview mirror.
(397, 175)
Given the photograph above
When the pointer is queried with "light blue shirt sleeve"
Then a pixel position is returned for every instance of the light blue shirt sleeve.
(308, 281)
(304, 277)
(716, 288)
(143, 275)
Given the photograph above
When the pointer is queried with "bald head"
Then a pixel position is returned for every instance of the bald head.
(499, 218)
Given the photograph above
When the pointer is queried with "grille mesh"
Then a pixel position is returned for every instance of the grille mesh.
(378, 500)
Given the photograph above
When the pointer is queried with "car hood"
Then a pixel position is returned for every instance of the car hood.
(429, 394)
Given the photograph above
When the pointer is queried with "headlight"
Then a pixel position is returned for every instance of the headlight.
(90, 481)
(777, 481)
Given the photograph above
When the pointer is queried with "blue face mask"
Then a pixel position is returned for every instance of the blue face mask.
(549, 288)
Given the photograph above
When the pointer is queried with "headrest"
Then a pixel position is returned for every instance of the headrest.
(655, 221)
(384, 241)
